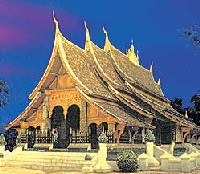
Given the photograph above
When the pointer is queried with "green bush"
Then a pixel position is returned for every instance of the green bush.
(88, 157)
(149, 136)
(103, 138)
(127, 161)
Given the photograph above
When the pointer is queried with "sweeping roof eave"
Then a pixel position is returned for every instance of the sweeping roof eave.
(116, 112)
(137, 75)
(33, 105)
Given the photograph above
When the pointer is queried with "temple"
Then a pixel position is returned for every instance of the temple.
(86, 91)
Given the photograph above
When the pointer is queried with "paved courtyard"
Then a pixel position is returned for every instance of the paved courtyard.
(20, 170)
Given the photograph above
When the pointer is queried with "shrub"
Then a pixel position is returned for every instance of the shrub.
(127, 161)
(149, 136)
(2, 140)
(103, 138)
(88, 157)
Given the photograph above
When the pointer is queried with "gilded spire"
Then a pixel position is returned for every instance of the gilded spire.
(107, 42)
(87, 38)
(131, 55)
(158, 82)
(138, 55)
(151, 68)
(186, 114)
(55, 22)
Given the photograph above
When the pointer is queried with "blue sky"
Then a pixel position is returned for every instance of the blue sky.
(27, 34)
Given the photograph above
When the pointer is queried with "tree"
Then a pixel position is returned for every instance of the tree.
(177, 105)
(192, 33)
(194, 110)
(4, 93)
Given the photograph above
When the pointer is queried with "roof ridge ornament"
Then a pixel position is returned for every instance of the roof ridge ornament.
(131, 54)
(186, 114)
(107, 45)
(159, 82)
(151, 68)
(87, 37)
(55, 22)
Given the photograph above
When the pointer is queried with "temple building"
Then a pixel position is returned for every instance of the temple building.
(86, 91)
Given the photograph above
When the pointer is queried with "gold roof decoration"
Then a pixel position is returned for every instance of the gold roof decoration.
(87, 38)
(55, 22)
(131, 55)
(107, 41)
(158, 82)
(151, 68)
(186, 114)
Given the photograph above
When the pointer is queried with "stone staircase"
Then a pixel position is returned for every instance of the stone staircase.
(59, 161)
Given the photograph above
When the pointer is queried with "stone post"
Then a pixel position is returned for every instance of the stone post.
(185, 163)
(172, 148)
(198, 160)
(102, 166)
(143, 161)
(165, 162)
(149, 148)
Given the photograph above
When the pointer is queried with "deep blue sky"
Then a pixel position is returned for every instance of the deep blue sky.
(27, 34)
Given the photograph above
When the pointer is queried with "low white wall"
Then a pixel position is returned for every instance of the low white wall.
(158, 152)
(183, 164)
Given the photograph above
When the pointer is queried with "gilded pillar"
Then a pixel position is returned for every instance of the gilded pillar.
(83, 117)
(179, 137)
(45, 119)
(111, 127)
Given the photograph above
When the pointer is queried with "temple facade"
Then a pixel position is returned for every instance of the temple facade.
(86, 91)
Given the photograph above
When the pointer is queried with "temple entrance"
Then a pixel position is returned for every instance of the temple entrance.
(72, 122)
(31, 136)
(58, 127)
(163, 132)
(103, 127)
(93, 135)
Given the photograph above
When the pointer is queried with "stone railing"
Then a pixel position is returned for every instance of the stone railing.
(169, 163)
(186, 163)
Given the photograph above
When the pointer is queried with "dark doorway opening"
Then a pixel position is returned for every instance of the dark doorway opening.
(72, 122)
(58, 127)
(163, 131)
(93, 136)
(31, 136)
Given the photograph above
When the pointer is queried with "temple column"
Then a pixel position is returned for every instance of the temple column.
(179, 136)
(119, 132)
(83, 117)
(111, 130)
(45, 113)
(143, 134)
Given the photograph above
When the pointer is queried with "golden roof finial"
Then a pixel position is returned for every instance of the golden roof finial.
(151, 68)
(87, 38)
(158, 82)
(186, 114)
(107, 42)
(137, 54)
(55, 22)
(131, 55)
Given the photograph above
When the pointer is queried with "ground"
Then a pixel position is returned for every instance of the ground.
(19, 170)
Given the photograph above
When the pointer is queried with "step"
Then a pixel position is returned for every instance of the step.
(47, 160)
(155, 168)
(47, 165)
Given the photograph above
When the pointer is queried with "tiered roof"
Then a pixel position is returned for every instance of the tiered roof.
(109, 80)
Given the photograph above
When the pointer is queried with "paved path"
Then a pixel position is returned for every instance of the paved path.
(19, 170)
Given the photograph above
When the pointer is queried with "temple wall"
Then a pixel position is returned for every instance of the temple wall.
(64, 98)
(179, 136)
(33, 120)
